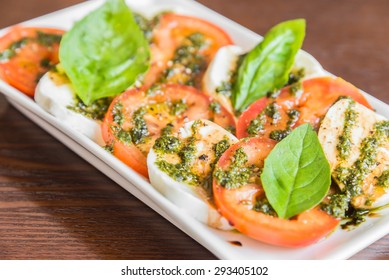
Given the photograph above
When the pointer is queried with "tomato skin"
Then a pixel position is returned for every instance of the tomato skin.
(169, 34)
(318, 95)
(135, 156)
(234, 204)
(22, 70)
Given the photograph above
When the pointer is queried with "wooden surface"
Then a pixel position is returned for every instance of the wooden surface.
(54, 205)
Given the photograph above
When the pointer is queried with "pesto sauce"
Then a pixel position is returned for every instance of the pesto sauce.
(187, 62)
(296, 76)
(258, 124)
(220, 147)
(139, 131)
(47, 39)
(383, 179)
(262, 205)
(179, 172)
(280, 134)
(177, 108)
(237, 174)
(215, 107)
(95, 111)
(344, 144)
(118, 120)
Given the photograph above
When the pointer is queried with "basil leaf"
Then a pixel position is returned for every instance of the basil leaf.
(296, 175)
(105, 52)
(266, 67)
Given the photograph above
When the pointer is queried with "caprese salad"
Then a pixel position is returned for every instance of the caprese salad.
(263, 141)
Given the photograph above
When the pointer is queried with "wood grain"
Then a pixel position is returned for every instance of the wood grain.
(54, 205)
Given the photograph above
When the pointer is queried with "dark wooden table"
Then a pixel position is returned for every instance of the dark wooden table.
(54, 205)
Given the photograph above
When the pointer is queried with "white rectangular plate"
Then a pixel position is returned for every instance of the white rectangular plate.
(339, 245)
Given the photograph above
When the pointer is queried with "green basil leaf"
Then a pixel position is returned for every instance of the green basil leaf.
(296, 176)
(105, 52)
(266, 67)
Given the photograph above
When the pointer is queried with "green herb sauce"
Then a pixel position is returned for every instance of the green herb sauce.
(139, 131)
(262, 205)
(96, 110)
(47, 39)
(177, 108)
(257, 125)
(383, 179)
(344, 144)
(187, 62)
(215, 107)
(220, 147)
(237, 175)
(280, 134)
(179, 172)
(295, 76)
(118, 120)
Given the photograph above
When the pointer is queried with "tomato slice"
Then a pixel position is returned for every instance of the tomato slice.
(137, 117)
(308, 104)
(176, 58)
(237, 204)
(31, 52)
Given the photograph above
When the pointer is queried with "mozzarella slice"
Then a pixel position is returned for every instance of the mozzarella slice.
(56, 97)
(333, 129)
(193, 199)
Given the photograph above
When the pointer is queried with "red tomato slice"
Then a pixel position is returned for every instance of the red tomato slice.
(316, 97)
(170, 34)
(31, 59)
(167, 104)
(236, 205)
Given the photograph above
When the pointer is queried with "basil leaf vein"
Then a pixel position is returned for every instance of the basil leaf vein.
(296, 175)
(266, 67)
(105, 52)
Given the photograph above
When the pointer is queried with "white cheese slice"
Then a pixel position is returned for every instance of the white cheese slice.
(193, 199)
(332, 128)
(57, 98)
